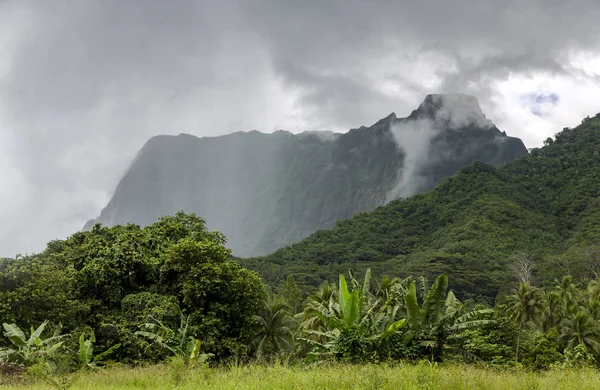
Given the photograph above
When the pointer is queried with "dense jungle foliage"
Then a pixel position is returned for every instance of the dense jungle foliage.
(111, 280)
(510, 254)
(545, 204)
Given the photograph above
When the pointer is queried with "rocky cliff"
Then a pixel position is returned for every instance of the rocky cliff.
(265, 191)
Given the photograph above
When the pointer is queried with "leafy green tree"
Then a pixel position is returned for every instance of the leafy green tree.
(291, 294)
(110, 278)
(491, 342)
(319, 306)
(220, 296)
(37, 287)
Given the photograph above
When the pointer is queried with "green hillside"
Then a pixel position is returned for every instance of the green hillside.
(545, 204)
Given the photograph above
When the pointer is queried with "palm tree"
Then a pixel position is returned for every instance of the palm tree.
(320, 305)
(551, 311)
(580, 328)
(525, 305)
(276, 324)
(593, 290)
(568, 294)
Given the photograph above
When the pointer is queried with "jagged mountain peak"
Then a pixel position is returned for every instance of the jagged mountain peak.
(264, 191)
(453, 110)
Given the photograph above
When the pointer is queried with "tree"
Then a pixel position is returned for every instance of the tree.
(110, 277)
(291, 294)
(220, 296)
(551, 310)
(567, 294)
(319, 307)
(522, 266)
(580, 328)
(275, 335)
(525, 305)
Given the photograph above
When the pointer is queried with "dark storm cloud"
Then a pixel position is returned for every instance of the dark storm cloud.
(83, 84)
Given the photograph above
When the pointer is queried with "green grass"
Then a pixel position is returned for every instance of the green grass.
(422, 376)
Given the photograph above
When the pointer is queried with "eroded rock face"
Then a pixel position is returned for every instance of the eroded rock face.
(264, 191)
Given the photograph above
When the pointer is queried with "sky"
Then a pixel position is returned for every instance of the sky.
(84, 83)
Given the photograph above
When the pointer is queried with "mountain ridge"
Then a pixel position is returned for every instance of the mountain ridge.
(268, 190)
(544, 205)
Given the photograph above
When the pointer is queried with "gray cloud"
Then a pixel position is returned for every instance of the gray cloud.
(83, 84)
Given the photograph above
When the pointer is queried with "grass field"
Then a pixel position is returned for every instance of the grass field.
(422, 376)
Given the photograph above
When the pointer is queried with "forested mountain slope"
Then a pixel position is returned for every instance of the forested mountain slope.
(545, 204)
(264, 191)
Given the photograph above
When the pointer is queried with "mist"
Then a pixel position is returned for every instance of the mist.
(437, 117)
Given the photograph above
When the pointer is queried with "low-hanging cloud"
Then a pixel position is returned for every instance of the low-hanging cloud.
(414, 137)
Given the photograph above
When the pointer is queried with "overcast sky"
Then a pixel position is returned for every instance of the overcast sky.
(83, 84)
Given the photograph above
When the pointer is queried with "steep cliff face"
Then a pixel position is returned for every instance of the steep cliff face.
(264, 191)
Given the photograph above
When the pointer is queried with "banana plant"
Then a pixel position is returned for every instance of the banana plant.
(29, 350)
(441, 313)
(356, 309)
(176, 342)
(85, 356)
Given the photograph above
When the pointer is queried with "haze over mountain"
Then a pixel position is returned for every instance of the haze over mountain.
(544, 206)
(265, 191)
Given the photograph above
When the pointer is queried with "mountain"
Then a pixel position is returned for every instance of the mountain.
(544, 205)
(265, 191)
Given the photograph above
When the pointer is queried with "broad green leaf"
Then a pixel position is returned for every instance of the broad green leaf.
(452, 305)
(34, 339)
(352, 310)
(86, 350)
(15, 334)
(367, 283)
(344, 295)
(393, 328)
(413, 310)
(5, 353)
(195, 349)
(52, 340)
(54, 348)
(470, 324)
(433, 305)
(102, 355)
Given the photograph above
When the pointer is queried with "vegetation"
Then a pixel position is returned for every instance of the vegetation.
(114, 280)
(171, 293)
(545, 204)
(336, 376)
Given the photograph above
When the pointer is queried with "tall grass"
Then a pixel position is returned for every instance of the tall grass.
(278, 376)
